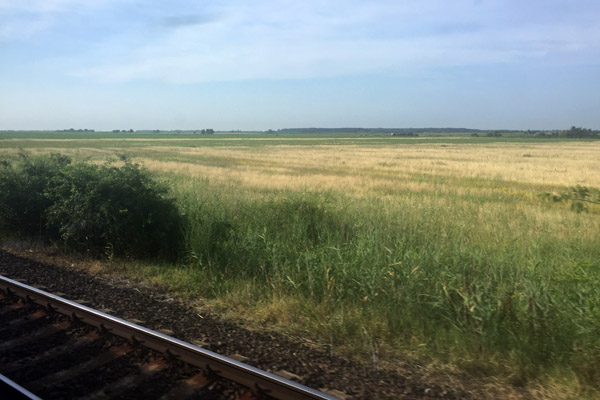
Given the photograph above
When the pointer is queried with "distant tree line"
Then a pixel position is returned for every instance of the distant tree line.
(388, 131)
(578, 132)
(203, 131)
(574, 132)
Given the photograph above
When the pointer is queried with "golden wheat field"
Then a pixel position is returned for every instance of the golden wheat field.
(360, 170)
(350, 167)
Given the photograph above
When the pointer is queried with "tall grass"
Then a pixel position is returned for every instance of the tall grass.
(464, 279)
(445, 250)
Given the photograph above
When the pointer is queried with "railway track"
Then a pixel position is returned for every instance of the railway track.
(53, 348)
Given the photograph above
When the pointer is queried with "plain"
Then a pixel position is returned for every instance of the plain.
(450, 249)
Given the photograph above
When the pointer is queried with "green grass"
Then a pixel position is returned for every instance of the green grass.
(101, 140)
(498, 282)
(407, 274)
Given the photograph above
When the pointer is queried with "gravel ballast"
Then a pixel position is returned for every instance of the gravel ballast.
(157, 309)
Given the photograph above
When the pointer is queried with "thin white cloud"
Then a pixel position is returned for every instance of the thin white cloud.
(188, 42)
(48, 6)
(183, 20)
(263, 40)
(26, 19)
(18, 29)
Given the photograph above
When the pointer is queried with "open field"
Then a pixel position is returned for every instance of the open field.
(444, 248)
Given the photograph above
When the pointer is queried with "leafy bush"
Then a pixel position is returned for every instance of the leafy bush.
(23, 192)
(99, 209)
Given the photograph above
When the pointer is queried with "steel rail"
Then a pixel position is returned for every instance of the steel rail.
(246, 375)
(11, 390)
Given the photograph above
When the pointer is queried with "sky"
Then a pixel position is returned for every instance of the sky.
(258, 65)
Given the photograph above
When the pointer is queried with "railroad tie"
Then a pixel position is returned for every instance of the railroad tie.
(6, 310)
(35, 335)
(188, 387)
(72, 345)
(220, 374)
(61, 376)
(124, 384)
(26, 319)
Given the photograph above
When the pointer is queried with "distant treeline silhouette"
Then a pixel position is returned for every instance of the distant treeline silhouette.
(377, 130)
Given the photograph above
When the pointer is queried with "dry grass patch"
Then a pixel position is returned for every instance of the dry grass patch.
(354, 167)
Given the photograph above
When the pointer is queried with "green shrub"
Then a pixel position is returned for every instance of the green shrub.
(99, 209)
(23, 192)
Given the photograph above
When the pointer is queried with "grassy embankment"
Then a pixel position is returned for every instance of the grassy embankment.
(443, 249)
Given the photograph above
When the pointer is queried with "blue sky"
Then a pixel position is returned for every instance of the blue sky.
(256, 65)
